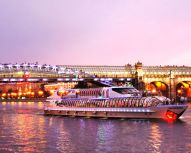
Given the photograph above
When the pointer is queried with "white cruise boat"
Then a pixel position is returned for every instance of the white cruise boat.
(112, 102)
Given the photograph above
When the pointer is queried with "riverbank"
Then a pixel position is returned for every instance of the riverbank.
(24, 100)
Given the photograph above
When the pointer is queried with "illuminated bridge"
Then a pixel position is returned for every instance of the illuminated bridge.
(167, 80)
(37, 72)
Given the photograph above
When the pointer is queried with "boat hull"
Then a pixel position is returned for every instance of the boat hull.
(135, 113)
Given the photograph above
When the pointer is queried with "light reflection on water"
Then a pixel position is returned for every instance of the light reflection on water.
(24, 128)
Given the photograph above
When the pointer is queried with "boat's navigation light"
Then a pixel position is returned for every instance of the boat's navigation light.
(171, 115)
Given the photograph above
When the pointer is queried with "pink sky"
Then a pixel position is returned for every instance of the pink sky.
(96, 32)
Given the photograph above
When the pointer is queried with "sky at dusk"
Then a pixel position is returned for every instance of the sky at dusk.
(96, 32)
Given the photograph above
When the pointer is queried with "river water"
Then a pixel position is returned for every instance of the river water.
(24, 128)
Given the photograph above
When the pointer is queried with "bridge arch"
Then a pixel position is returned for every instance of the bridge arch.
(183, 88)
(157, 87)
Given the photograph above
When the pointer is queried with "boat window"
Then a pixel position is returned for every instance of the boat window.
(125, 90)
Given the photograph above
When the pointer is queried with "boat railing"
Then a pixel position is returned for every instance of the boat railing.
(111, 102)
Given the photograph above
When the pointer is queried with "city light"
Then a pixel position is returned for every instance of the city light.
(155, 81)
(154, 91)
(179, 91)
(4, 94)
(40, 93)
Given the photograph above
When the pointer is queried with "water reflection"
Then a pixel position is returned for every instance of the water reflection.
(24, 128)
(20, 129)
(155, 139)
(65, 142)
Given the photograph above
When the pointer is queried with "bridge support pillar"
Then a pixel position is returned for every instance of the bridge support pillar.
(172, 88)
(138, 74)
